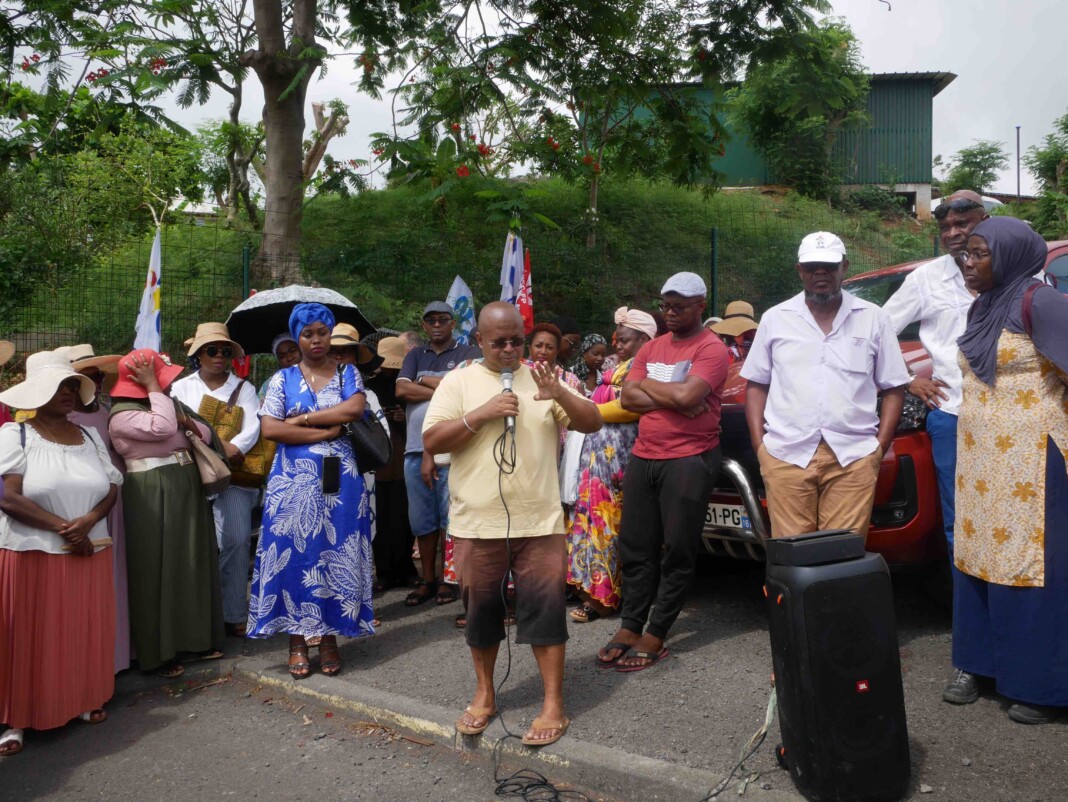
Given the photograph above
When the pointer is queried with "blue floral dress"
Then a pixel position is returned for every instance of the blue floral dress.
(313, 572)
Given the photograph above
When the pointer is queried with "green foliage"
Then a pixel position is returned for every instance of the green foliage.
(1049, 164)
(873, 198)
(975, 167)
(793, 107)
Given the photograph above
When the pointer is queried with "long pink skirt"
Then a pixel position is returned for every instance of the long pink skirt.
(57, 636)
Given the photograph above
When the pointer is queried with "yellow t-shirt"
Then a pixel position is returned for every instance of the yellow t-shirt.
(532, 491)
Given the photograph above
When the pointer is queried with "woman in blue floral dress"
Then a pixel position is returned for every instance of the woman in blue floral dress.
(313, 575)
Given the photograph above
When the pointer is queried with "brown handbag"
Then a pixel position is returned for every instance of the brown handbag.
(226, 418)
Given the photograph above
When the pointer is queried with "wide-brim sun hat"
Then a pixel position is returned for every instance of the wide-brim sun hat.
(208, 333)
(166, 372)
(45, 372)
(345, 335)
(392, 351)
(82, 357)
(738, 318)
(7, 350)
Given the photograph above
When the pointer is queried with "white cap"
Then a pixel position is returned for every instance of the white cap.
(822, 246)
(688, 285)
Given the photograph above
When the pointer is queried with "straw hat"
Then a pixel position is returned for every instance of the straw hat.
(345, 335)
(82, 357)
(392, 351)
(7, 350)
(737, 320)
(212, 333)
(45, 371)
(166, 373)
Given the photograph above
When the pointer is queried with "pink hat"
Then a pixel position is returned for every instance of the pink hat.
(128, 387)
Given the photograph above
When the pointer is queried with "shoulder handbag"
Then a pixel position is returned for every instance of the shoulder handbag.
(226, 419)
(211, 460)
(370, 440)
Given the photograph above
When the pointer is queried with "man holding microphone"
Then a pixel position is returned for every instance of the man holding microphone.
(506, 512)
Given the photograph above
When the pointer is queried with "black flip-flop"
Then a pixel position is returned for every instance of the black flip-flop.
(623, 649)
(650, 656)
(415, 598)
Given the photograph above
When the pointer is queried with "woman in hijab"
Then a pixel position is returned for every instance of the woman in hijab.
(313, 561)
(57, 597)
(592, 354)
(1010, 600)
(285, 350)
(593, 519)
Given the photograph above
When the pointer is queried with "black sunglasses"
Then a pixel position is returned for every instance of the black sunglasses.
(502, 342)
(214, 351)
(958, 205)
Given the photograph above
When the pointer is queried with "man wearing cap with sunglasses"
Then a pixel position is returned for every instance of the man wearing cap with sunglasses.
(817, 365)
(427, 484)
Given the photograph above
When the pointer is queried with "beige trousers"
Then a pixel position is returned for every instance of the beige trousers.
(823, 495)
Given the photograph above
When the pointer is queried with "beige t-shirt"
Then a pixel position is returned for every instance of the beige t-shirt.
(532, 491)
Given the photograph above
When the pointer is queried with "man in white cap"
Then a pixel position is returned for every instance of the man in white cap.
(675, 383)
(816, 368)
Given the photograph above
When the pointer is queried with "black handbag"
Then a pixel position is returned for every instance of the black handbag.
(370, 440)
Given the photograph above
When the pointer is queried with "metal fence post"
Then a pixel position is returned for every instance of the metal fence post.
(246, 264)
(715, 273)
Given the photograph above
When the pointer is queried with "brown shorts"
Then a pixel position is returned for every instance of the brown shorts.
(539, 567)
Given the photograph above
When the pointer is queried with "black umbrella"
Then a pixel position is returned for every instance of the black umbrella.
(255, 322)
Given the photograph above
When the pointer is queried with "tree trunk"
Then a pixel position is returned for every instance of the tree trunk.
(284, 76)
(591, 212)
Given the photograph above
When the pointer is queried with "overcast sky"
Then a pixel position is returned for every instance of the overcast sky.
(1008, 56)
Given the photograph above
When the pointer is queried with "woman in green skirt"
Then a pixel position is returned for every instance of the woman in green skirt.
(171, 554)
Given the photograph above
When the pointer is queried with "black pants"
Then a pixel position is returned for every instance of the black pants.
(393, 542)
(664, 504)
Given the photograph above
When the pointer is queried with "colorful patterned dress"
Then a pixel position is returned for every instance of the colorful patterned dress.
(1010, 617)
(313, 573)
(593, 521)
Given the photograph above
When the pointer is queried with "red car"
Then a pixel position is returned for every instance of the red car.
(906, 520)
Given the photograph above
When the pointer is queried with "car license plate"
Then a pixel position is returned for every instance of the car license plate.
(731, 516)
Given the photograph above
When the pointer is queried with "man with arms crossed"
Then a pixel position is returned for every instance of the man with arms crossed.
(675, 383)
(524, 530)
(936, 296)
(815, 371)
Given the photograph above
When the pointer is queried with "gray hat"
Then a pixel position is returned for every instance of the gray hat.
(688, 285)
(439, 307)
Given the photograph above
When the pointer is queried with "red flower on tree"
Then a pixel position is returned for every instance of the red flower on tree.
(455, 127)
(462, 171)
(484, 149)
(587, 159)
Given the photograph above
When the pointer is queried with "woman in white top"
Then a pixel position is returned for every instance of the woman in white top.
(57, 619)
(212, 349)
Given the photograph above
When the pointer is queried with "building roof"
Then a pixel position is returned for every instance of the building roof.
(940, 79)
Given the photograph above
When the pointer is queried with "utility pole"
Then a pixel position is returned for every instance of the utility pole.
(1017, 165)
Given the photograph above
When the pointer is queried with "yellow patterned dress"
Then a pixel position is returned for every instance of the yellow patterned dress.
(1010, 601)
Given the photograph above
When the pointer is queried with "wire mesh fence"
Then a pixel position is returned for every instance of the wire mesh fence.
(743, 244)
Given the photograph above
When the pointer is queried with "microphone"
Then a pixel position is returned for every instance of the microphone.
(506, 383)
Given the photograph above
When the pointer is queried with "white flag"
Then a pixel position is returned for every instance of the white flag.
(511, 268)
(147, 328)
(462, 301)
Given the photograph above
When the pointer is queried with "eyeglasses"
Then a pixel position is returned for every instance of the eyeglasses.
(501, 342)
(572, 340)
(958, 205)
(676, 309)
(974, 256)
(214, 351)
(442, 320)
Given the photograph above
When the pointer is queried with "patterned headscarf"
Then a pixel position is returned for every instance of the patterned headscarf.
(285, 337)
(305, 314)
(580, 368)
(637, 320)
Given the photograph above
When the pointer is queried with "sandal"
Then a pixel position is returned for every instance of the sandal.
(329, 656)
(584, 614)
(207, 654)
(650, 658)
(461, 623)
(424, 592)
(302, 668)
(446, 594)
(11, 742)
(545, 724)
(622, 648)
(171, 670)
(98, 716)
(476, 713)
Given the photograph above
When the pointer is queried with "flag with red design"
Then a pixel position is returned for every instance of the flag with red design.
(524, 299)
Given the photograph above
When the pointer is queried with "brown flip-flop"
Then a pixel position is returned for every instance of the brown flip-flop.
(545, 724)
(477, 712)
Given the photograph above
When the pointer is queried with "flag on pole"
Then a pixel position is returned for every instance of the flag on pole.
(524, 300)
(511, 267)
(147, 328)
(462, 301)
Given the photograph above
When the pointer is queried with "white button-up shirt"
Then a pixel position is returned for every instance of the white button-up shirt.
(191, 389)
(935, 294)
(824, 386)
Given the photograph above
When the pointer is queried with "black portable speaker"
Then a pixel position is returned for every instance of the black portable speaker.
(837, 669)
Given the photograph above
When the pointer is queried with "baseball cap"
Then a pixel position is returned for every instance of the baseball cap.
(688, 285)
(821, 246)
(438, 307)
